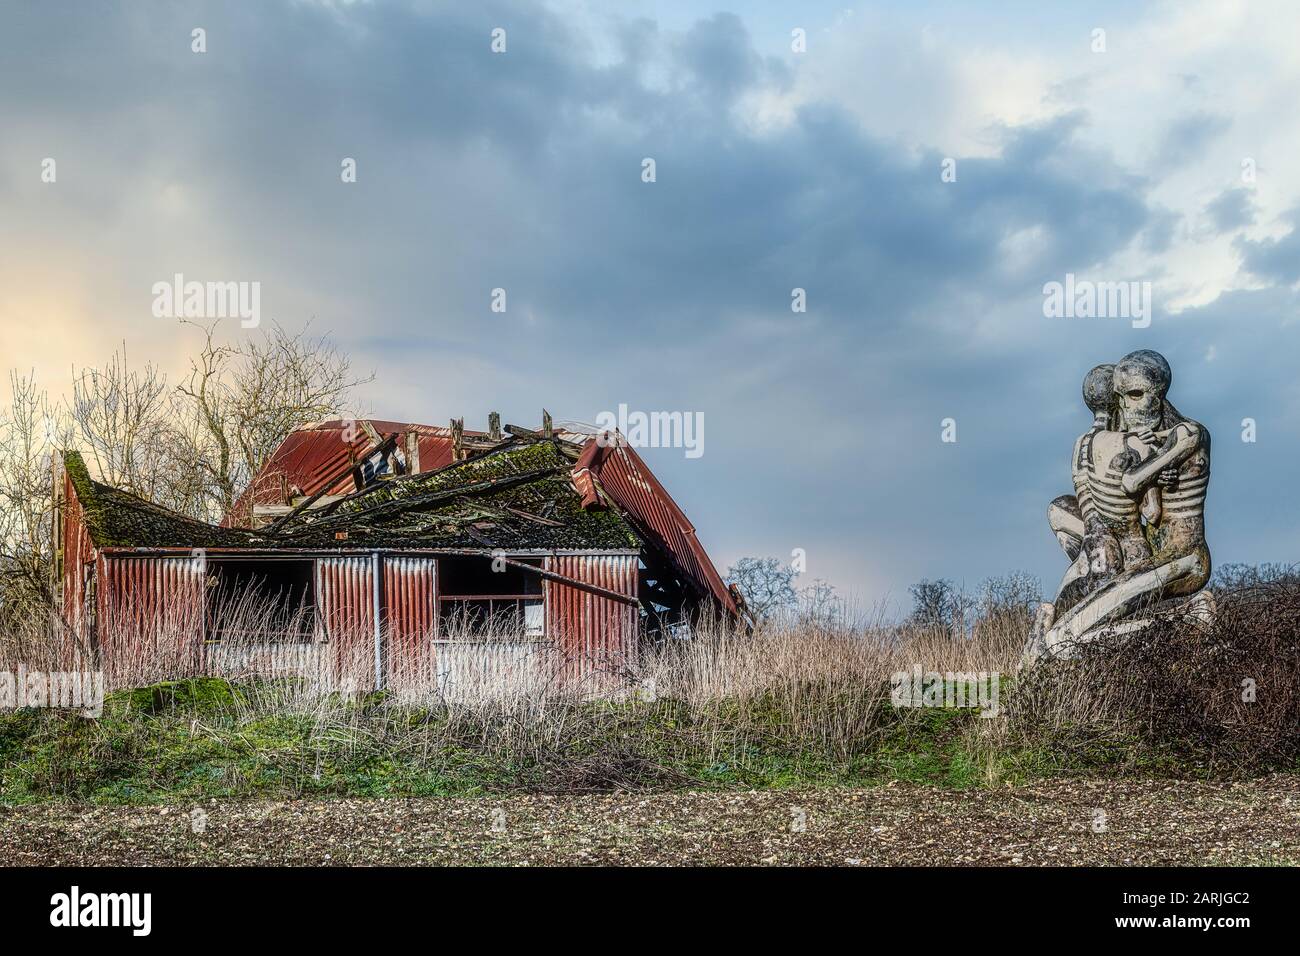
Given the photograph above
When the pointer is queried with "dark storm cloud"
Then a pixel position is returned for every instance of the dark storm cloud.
(1188, 137)
(1274, 259)
(1231, 210)
(735, 220)
(523, 171)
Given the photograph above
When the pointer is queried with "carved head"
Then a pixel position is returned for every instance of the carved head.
(1142, 379)
(1099, 389)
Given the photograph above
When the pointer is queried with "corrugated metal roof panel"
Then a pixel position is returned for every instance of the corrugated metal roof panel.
(628, 480)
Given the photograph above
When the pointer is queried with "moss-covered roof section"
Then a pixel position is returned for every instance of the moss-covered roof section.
(119, 519)
(515, 497)
(518, 496)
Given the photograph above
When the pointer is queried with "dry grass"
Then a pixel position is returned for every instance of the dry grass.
(793, 703)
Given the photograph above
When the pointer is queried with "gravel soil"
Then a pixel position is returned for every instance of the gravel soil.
(1057, 822)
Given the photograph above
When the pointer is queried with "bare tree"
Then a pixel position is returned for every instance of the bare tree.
(819, 605)
(31, 431)
(239, 402)
(121, 421)
(192, 448)
(766, 584)
(1016, 594)
(938, 604)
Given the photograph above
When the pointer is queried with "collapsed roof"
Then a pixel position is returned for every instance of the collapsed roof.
(518, 497)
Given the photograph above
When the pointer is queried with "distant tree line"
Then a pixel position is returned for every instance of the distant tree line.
(768, 588)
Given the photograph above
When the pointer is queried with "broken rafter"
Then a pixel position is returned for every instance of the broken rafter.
(527, 434)
(532, 517)
(481, 444)
(327, 485)
(457, 438)
(412, 448)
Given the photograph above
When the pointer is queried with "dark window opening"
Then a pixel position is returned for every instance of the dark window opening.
(480, 597)
(261, 602)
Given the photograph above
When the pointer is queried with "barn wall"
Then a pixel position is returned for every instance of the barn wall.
(346, 615)
(151, 620)
(150, 617)
(597, 635)
(410, 618)
(78, 564)
(238, 660)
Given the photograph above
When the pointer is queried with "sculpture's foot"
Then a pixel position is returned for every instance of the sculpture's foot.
(1035, 647)
(1202, 607)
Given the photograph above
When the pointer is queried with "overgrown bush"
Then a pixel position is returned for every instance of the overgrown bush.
(1222, 695)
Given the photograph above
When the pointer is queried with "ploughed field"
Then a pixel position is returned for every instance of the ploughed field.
(1066, 821)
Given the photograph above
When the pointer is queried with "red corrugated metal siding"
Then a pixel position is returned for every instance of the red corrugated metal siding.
(410, 618)
(627, 479)
(597, 636)
(151, 617)
(345, 609)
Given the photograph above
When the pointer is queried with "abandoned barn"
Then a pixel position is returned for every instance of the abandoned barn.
(380, 554)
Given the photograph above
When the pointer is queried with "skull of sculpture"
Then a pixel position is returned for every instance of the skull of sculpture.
(1099, 389)
(1141, 382)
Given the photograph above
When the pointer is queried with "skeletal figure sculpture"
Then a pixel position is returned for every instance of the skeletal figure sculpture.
(1134, 529)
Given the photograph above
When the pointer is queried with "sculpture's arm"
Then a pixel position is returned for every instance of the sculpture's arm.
(1078, 469)
(1182, 443)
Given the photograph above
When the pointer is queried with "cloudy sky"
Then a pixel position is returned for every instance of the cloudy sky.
(1167, 157)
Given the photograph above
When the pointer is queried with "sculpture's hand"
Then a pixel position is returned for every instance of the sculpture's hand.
(1168, 477)
(1147, 437)
(1182, 443)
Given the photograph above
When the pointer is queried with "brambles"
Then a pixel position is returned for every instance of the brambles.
(1221, 696)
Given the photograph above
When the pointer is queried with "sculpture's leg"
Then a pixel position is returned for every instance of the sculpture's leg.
(1123, 596)
(1066, 521)
(1065, 518)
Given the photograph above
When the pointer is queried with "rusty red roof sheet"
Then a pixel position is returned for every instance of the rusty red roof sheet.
(308, 457)
(628, 480)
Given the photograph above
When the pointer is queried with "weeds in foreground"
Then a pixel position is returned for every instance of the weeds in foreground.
(790, 705)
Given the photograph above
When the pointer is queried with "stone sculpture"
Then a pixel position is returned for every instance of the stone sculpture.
(1134, 529)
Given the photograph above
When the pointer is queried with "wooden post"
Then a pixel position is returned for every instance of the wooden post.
(412, 453)
(376, 568)
(494, 426)
(457, 438)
